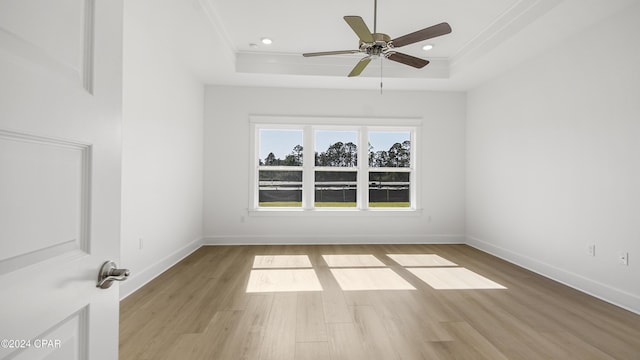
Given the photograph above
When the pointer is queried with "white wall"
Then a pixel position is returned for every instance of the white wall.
(162, 139)
(553, 162)
(227, 136)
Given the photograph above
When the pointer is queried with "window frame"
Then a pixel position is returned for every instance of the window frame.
(362, 126)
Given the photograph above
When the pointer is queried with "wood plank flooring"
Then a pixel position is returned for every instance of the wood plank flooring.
(200, 309)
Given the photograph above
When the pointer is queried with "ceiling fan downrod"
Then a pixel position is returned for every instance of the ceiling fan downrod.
(375, 16)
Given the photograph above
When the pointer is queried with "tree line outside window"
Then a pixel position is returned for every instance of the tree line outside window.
(345, 155)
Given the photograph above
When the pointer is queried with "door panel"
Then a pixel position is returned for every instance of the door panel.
(44, 182)
(57, 35)
(65, 341)
(60, 108)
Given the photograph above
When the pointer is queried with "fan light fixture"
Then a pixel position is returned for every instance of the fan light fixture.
(427, 47)
(266, 41)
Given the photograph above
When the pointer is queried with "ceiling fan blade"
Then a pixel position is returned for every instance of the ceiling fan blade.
(357, 70)
(408, 60)
(424, 34)
(339, 52)
(360, 28)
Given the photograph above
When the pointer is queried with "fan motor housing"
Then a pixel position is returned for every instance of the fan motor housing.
(379, 44)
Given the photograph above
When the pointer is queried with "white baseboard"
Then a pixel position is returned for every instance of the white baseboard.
(596, 289)
(138, 280)
(332, 239)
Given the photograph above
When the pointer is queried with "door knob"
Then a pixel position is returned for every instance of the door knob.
(109, 273)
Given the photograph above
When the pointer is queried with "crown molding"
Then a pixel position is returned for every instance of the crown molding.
(509, 23)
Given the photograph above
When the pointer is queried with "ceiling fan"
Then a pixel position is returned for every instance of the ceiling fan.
(378, 44)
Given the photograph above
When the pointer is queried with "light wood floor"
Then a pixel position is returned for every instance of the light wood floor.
(199, 309)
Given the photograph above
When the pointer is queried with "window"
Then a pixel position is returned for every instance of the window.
(280, 168)
(389, 168)
(335, 170)
(311, 165)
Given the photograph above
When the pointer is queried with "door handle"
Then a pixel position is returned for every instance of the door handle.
(109, 273)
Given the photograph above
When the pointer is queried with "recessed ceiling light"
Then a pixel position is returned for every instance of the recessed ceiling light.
(266, 41)
(427, 47)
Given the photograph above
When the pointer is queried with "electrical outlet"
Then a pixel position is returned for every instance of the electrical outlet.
(592, 250)
(623, 258)
(140, 243)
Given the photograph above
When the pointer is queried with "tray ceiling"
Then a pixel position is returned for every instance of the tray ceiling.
(488, 37)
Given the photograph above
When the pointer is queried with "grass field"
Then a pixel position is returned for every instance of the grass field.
(280, 204)
(399, 204)
(396, 204)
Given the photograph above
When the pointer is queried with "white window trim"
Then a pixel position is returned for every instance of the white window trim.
(363, 126)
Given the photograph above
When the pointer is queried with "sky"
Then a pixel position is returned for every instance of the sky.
(282, 141)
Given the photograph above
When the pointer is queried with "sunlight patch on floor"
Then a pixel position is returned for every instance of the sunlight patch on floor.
(454, 279)
(420, 260)
(283, 280)
(352, 261)
(281, 261)
(353, 272)
(370, 279)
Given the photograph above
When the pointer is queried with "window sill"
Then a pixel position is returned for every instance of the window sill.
(334, 212)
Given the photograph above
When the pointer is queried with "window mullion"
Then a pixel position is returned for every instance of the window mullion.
(363, 169)
(308, 164)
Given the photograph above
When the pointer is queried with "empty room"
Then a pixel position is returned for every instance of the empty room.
(367, 179)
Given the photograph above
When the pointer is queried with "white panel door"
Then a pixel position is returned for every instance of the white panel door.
(60, 113)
